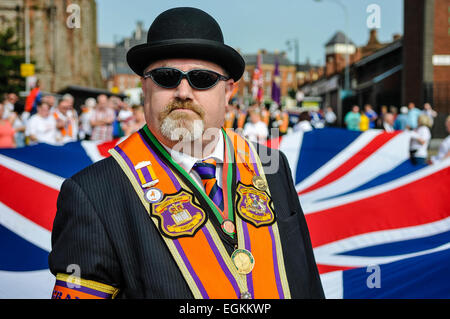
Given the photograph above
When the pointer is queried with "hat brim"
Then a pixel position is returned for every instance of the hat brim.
(141, 56)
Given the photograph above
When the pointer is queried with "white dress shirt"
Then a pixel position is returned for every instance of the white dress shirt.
(187, 162)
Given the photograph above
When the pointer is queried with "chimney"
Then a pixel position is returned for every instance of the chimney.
(138, 33)
(373, 39)
(396, 36)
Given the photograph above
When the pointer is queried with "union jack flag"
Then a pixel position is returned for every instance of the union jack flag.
(258, 80)
(31, 178)
(379, 226)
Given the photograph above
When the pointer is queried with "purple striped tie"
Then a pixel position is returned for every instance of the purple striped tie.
(207, 172)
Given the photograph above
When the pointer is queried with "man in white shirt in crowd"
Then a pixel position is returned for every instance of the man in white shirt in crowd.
(41, 127)
(256, 130)
(87, 109)
(66, 122)
(388, 122)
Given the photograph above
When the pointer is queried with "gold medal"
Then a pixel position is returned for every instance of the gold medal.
(243, 260)
(259, 183)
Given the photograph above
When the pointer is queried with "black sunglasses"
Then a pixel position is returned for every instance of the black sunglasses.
(198, 79)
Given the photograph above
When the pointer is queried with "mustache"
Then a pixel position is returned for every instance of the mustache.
(182, 104)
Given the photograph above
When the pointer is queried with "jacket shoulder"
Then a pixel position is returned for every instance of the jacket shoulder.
(102, 175)
(103, 167)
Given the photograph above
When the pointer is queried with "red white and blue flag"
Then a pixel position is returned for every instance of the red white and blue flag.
(379, 226)
(258, 80)
(31, 178)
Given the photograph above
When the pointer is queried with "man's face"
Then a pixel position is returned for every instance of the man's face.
(389, 118)
(102, 101)
(184, 112)
(64, 106)
(43, 110)
(254, 117)
(12, 98)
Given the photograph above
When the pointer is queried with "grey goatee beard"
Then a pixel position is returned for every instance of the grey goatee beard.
(181, 126)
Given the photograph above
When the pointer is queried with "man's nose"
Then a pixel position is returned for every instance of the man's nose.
(184, 90)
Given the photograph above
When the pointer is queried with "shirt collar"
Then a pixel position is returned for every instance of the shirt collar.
(187, 161)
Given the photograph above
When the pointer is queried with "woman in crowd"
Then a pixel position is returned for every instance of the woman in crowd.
(420, 139)
(6, 131)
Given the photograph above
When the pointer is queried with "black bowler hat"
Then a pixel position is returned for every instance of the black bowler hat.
(185, 33)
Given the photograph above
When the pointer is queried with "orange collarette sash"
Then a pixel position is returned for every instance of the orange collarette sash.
(181, 211)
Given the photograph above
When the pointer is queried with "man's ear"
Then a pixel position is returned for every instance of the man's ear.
(143, 86)
(230, 86)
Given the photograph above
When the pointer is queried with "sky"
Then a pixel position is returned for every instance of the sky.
(250, 25)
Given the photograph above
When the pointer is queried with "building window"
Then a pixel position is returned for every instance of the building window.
(268, 76)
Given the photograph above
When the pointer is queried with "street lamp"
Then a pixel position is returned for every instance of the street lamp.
(27, 42)
(293, 44)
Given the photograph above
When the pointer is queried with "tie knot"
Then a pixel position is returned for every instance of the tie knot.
(206, 168)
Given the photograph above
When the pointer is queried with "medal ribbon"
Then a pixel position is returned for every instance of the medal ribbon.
(259, 240)
(228, 211)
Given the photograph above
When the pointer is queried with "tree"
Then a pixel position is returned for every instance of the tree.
(11, 56)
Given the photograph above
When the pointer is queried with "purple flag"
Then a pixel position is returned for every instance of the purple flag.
(276, 81)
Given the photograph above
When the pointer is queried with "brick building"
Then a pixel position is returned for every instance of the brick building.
(371, 73)
(426, 53)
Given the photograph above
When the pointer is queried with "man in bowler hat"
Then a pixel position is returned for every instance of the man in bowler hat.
(183, 208)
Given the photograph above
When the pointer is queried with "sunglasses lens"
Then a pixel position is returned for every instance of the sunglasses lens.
(201, 79)
(168, 78)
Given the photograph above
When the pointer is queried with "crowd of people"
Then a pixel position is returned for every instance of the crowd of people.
(56, 121)
(257, 122)
(389, 120)
(410, 118)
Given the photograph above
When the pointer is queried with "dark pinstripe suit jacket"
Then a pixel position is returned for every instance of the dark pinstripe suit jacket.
(102, 226)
